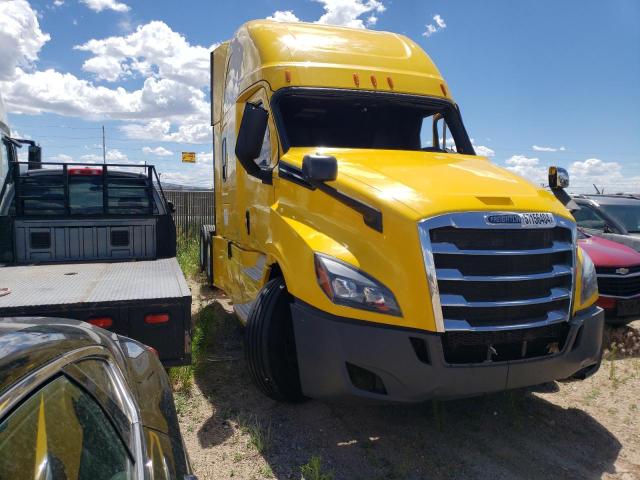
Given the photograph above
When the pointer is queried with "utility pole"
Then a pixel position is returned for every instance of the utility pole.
(104, 150)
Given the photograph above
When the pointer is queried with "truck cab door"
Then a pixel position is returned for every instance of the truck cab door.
(253, 200)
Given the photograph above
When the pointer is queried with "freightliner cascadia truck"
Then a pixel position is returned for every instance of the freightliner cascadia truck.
(366, 247)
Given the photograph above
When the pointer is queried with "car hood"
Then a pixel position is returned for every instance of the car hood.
(606, 253)
(430, 183)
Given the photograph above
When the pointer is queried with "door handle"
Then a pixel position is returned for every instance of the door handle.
(247, 221)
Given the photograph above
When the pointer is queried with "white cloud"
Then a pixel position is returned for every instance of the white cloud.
(583, 174)
(100, 5)
(152, 50)
(113, 156)
(20, 37)
(61, 157)
(158, 151)
(528, 168)
(65, 94)
(283, 16)
(432, 28)
(484, 151)
(348, 12)
(538, 148)
(193, 129)
(58, 3)
(439, 21)
(340, 12)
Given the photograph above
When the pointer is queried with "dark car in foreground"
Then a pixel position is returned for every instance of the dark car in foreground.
(80, 402)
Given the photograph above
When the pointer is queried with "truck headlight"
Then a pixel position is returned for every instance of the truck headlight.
(589, 278)
(346, 285)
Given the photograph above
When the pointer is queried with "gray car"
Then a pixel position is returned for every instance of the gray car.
(77, 401)
(615, 217)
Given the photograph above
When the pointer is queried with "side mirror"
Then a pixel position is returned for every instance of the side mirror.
(251, 133)
(35, 157)
(171, 207)
(319, 168)
(558, 178)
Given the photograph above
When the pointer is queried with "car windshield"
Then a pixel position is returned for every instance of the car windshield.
(628, 215)
(348, 119)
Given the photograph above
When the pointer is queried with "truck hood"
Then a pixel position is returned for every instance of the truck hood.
(430, 183)
(606, 253)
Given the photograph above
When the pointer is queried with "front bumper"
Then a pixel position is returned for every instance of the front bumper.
(326, 344)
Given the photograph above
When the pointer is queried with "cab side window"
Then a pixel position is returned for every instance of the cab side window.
(264, 159)
(435, 135)
(61, 432)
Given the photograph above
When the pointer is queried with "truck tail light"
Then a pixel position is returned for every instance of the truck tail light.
(102, 322)
(156, 318)
(85, 171)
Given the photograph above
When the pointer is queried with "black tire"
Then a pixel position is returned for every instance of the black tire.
(206, 231)
(202, 249)
(208, 266)
(270, 344)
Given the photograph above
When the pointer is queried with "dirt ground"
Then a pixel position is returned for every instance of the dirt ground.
(567, 430)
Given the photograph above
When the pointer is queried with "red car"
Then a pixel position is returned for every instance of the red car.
(618, 270)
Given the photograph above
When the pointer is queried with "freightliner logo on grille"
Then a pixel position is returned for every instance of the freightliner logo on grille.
(524, 220)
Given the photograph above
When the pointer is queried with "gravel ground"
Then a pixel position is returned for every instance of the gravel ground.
(581, 430)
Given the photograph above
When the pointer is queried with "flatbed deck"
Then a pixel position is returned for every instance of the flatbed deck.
(120, 296)
(92, 283)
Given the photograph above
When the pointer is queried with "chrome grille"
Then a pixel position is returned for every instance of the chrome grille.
(486, 277)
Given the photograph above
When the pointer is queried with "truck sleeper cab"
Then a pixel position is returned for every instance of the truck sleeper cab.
(366, 247)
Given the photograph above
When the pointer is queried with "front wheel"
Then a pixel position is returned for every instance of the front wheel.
(270, 344)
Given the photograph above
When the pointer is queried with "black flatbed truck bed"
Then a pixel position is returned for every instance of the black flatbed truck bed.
(125, 292)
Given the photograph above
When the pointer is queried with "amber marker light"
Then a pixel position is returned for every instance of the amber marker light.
(390, 82)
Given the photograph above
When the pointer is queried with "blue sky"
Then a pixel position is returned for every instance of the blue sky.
(538, 82)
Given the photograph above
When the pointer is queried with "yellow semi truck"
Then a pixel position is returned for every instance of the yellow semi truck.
(365, 246)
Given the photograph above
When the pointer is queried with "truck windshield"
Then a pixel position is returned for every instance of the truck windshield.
(312, 118)
(628, 215)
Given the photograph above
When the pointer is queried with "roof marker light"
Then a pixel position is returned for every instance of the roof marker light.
(444, 89)
(356, 79)
(374, 82)
(287, 76)
(390, 82)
